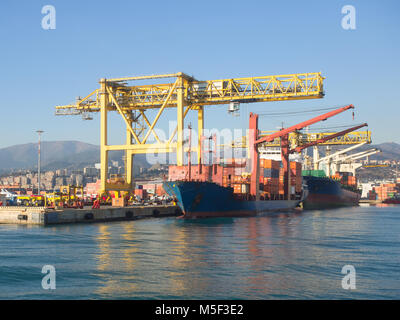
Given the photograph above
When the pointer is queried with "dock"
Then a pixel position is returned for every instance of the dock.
(45, 216)
(372, 202)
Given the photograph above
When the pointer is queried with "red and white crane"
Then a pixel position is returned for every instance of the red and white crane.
(255, 140)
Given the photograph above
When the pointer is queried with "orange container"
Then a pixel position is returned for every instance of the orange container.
(269, 164)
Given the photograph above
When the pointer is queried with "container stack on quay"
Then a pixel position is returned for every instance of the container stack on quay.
(384, 191)
(142, 193)
(143, 190)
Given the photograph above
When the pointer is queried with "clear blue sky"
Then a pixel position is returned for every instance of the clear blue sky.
(207, 39)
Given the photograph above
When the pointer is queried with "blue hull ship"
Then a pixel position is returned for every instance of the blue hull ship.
(326, 193)
(208, 199)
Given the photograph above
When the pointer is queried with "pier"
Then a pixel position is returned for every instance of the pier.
(371, 202)
(45, 216)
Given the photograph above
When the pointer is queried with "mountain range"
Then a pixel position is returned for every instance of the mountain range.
(57, 155)
(76, 154)
(390, 151)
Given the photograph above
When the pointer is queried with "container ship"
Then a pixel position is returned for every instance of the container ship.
(324, 192)
(394, 200)
(223, 190)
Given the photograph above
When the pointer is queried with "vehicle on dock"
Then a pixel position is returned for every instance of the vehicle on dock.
(7, 198)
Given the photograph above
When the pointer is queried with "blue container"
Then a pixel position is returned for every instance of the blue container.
(270, 173)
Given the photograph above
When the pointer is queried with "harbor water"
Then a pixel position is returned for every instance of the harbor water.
(297, 255)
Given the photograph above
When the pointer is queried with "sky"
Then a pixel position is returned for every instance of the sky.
(207, 39)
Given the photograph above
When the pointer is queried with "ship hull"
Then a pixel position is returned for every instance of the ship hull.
(391, 201)
(206, 199)
(324, 193)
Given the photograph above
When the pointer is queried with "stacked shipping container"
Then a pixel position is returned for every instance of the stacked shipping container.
(235, 174)
(296, 176)
(182, 173)
(269, 178)
(384, 191)
(345, 178)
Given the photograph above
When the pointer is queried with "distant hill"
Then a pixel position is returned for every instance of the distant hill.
(390, 150)
(76, 154)
(57, 155)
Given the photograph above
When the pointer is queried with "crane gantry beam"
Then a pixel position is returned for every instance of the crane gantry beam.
(301, 138)
(350, 138)
(184, 93)
(327, 138)
(210, 92)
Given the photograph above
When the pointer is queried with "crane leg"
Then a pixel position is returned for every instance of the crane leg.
(103, 136)
(286, 166)
(128, 155)
(254, 157)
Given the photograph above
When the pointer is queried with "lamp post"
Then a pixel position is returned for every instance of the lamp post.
(39, 132)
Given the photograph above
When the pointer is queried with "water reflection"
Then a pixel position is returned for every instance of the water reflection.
(284, 255)
(177, 273)
(116, 262)
(294, 255)
(191, 257)
(104, 259)
(194, 242)
(384, 205)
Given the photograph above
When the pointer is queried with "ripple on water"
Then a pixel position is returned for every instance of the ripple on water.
(279, 256)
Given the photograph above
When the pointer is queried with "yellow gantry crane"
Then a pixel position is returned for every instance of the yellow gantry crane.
(184, 93)
(301, 138)
(375, 166)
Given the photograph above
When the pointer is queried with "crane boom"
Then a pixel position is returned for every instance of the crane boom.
(355, 156)
(370, 153)
(340, 152)
(301, 125)
(333, 136)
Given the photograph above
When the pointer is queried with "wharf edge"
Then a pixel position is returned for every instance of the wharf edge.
(45, 216)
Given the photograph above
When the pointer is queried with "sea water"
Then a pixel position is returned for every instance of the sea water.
(296, 255)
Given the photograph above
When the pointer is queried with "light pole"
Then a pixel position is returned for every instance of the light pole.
(39, 132)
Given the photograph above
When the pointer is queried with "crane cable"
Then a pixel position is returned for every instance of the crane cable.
(336, 127)
(289, 112)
